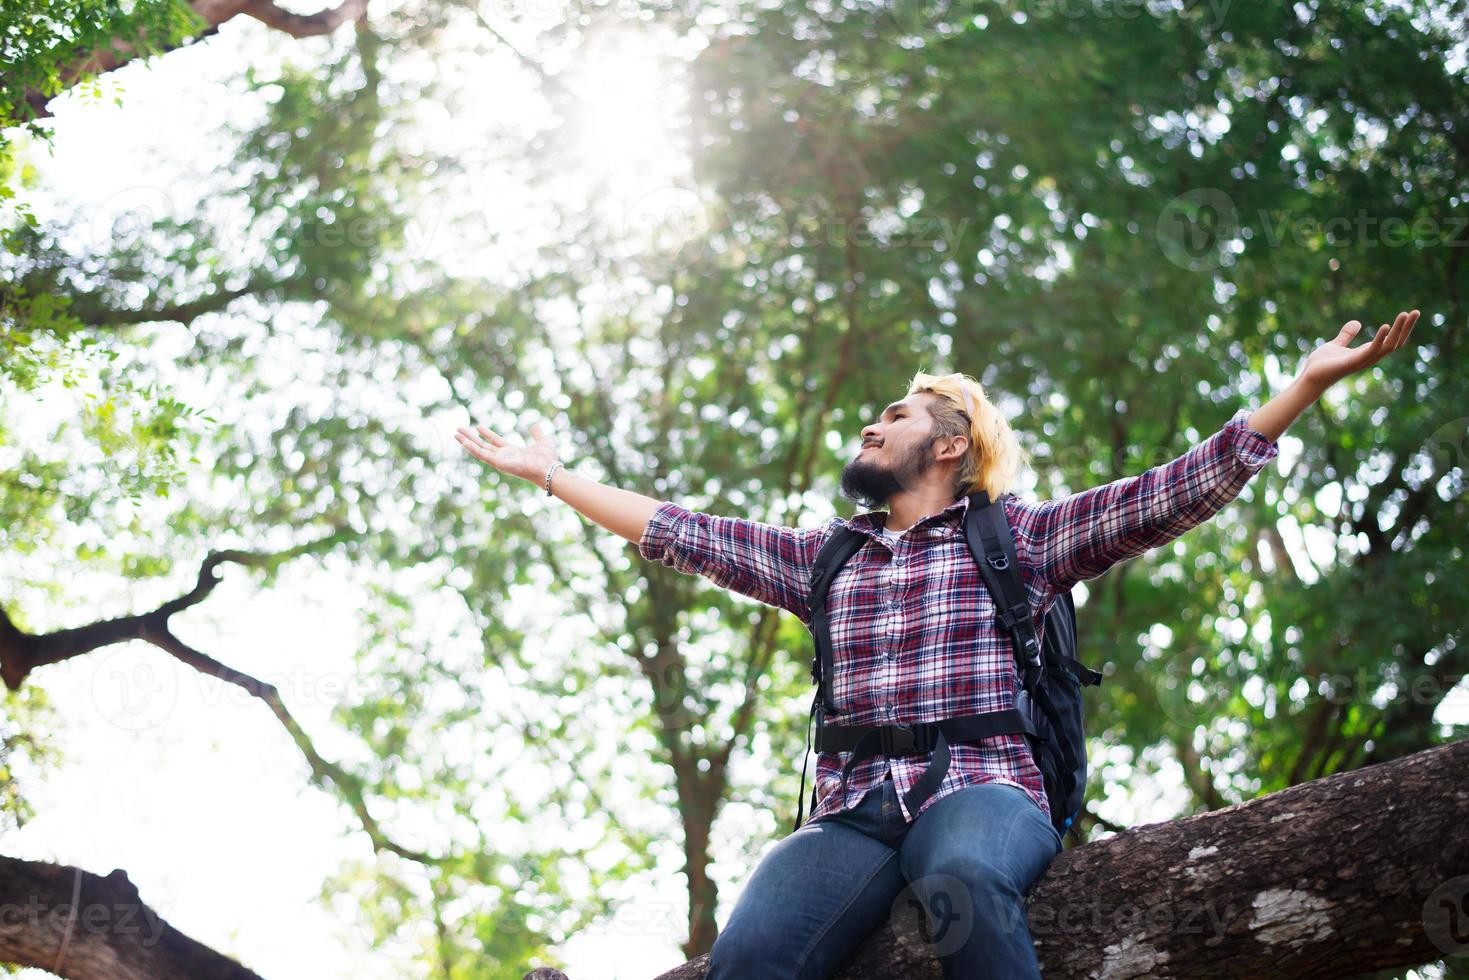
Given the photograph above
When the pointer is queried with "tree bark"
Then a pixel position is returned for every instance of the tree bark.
(85, 927)
(1359, 871)
(699, 807)
(1355, 872)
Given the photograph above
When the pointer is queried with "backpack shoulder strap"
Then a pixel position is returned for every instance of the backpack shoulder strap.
(987, 531)
(839, 546)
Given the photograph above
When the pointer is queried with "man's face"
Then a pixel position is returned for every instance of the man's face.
(900, 453)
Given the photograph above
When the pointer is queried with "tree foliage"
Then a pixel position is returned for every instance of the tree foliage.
(1126, 226)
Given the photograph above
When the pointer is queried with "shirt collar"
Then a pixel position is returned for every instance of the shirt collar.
(871, 522)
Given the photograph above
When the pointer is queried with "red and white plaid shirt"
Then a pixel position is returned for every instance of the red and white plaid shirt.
(913, 630)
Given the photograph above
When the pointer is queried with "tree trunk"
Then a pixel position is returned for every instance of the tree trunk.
(1351, 873)
(703, 893)
(82, 926)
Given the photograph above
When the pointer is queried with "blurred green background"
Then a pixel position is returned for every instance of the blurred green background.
(252, 284)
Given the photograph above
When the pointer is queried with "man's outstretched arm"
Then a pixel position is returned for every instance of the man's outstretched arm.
(764, 561)
(622, 512)
(1327, 365)
(1081, 536)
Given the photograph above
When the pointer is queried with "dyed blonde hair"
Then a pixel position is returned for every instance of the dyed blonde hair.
(961, 409)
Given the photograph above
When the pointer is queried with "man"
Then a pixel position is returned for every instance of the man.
(914, 640)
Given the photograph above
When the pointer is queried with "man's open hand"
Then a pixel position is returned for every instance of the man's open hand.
(528, 462)
(1334, 360)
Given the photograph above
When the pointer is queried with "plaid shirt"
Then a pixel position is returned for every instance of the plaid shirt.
(913, 630)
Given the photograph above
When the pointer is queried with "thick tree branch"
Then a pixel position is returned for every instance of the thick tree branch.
(86, 927)
(1331, 878)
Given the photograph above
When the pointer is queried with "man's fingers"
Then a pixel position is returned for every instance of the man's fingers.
(490, 437)
(476, 449)
(1393, 335)
(1399, 327)
(1408, 328)
(1375, 347)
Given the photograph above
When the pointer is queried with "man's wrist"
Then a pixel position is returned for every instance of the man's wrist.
(1308, 389)
(549, 479)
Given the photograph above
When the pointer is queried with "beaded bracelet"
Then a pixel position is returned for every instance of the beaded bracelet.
(548, 477)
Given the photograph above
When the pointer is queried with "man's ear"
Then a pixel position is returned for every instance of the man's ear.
(947, 453)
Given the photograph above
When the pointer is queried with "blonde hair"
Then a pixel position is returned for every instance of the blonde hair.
(961, 409)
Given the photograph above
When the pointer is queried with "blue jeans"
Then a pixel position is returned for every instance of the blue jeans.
(967, 859)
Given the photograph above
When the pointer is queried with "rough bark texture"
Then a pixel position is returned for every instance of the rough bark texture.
(1355, 872)
(86, 927)
(1360, 871)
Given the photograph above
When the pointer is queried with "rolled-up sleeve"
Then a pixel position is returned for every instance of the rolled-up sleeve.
(763, 561)
(1080, 536)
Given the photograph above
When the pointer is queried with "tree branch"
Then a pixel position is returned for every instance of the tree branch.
(116, 53)
(1335, 877)
(304, 25)
(86, 927)
(22, 652)
(94, 313)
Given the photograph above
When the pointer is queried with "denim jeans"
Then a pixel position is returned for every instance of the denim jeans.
(967, 859)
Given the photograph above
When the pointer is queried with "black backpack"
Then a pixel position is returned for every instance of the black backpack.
(1048, 707)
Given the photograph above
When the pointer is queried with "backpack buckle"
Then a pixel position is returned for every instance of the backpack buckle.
(898, 738)
(999, 562)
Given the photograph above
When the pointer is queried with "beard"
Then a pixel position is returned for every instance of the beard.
(871, 484)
